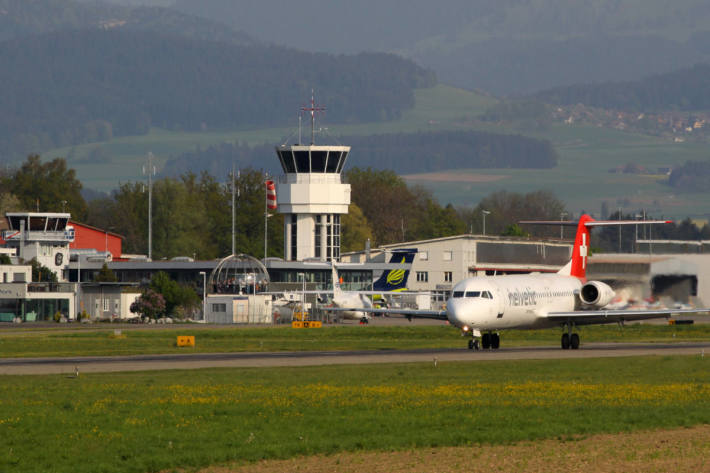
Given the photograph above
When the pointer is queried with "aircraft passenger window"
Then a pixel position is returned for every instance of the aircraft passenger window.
(473, 293)
(458, 293)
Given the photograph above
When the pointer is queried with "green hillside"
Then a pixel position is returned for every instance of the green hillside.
(581, 178)
(73, 87)
(502, 46)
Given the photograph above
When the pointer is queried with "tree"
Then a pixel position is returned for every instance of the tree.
(150, 304)
(9, 202)
(191, 215)
(507, 208)
(4, 259)
(355, 230)
(47, 187)
(174, 294)
(106, 274)
(41, 273)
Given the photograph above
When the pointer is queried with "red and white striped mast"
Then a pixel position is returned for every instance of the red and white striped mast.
(269, 204)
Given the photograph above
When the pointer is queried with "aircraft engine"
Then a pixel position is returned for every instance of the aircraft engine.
(596, 294)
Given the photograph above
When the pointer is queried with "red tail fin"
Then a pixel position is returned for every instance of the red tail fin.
(581, 248)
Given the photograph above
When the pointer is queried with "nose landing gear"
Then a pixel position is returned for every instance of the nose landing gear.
(489, 340)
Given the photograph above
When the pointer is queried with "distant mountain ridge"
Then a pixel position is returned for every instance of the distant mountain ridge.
(505, 47)
(20, 18)
(73, 87)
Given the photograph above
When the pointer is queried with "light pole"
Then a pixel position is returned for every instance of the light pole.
(620, 230)
(149, 169)
(204, 295)
(484, 212)
(303, 293)
(562, 215)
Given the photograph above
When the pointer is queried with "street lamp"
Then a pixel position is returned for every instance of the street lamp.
(484, 212)
(204, 295)
(562, 215)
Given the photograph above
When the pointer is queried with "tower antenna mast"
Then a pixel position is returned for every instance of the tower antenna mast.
(313, 109)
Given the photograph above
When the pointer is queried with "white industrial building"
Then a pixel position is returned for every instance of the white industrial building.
(27, 301)
(238, 309)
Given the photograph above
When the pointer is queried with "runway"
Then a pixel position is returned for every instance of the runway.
(36, 366)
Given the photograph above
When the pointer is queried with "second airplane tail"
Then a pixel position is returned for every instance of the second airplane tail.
(396, 279)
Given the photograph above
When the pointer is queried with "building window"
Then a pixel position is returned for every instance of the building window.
(424, 255)
(448, 276)
(219, 308)
(107, 305)
(448, 255)
(422, 276)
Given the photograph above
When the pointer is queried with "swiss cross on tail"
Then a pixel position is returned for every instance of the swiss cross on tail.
(581, 248)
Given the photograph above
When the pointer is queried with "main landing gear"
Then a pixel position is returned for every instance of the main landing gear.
(570, 340)
(488, 340)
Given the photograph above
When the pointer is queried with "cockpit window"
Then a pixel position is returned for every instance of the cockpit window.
(486, 295)
(473, 293)
(458, 293)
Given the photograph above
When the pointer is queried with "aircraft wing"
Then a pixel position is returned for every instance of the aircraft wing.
(367, 293)
(591, 317)
(422, 314)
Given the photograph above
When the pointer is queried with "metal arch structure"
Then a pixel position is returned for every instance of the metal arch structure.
(238, 274)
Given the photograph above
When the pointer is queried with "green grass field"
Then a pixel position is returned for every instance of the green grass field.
(170, 420)
(581, 179)
(93, 342)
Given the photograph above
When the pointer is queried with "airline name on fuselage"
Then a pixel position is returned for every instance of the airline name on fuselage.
(517, 297)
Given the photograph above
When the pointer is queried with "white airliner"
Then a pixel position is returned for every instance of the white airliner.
(351, 299)
(482, 306)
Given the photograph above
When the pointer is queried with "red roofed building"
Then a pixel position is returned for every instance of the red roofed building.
(87, 237)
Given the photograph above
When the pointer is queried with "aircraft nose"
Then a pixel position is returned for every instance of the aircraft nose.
(453, 312)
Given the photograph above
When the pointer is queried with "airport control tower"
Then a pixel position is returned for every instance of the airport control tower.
(312, 197)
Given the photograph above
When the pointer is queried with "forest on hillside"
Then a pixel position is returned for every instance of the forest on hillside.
(72, 87)
(692, 176)
(682, 90)
(503, 47)
(21, 18)
(403, 153)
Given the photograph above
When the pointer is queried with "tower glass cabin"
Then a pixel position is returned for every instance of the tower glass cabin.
(312, 197)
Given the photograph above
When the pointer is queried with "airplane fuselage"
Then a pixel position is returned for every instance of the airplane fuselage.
(352, 299)
(511, 302)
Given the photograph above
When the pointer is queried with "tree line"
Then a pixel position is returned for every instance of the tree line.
(70, 87)
(192, 212)
(402, 153)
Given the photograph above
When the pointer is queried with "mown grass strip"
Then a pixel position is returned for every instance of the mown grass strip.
(183, 419)
(92, 342)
